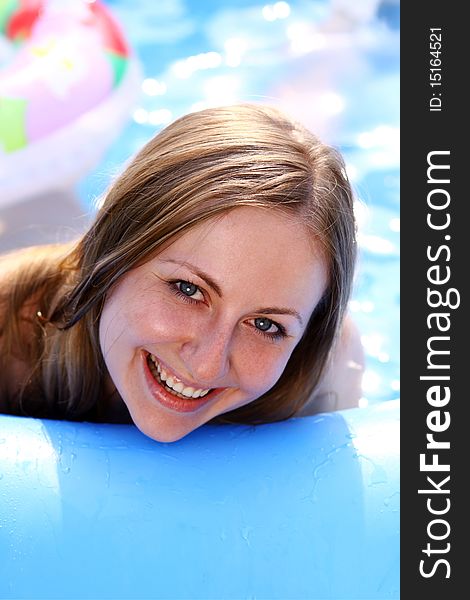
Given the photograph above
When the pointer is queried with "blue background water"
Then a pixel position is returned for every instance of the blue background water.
(334, 65)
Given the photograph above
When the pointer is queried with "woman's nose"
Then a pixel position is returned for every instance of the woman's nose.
(207, 356)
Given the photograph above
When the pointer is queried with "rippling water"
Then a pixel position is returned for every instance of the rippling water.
(334, 66)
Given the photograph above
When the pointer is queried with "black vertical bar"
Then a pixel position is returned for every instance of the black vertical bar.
(434, 250)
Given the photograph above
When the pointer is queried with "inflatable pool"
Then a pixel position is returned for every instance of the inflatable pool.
(68, 82)
(303, 509)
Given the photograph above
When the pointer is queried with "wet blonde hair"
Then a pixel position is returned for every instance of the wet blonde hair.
(201, 166)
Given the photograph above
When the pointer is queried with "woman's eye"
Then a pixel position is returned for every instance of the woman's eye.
(187, 291)
(187, 288)
(263, 324)
(269, 328)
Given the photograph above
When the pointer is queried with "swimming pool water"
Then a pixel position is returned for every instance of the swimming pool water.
(332, 64)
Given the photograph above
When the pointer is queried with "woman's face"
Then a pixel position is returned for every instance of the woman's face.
(209, 324)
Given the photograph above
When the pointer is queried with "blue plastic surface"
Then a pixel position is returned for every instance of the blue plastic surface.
(304, 509)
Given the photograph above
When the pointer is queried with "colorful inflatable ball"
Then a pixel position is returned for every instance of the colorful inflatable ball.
(68, 83)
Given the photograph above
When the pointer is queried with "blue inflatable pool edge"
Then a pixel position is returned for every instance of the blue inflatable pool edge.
(304, 509)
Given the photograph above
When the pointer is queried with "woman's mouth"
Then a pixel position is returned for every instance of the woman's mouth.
(172, 393)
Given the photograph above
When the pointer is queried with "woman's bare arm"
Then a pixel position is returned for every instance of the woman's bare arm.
(341, 384)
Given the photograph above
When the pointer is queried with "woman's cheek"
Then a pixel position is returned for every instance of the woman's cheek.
(166, 321)
(262, 366)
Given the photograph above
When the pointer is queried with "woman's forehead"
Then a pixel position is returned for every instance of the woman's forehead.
(249, 227)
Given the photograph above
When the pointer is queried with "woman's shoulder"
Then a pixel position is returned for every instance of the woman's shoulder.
(25, 271)
(9, 264)
(14, 260)
(341, 384)
(22, 276)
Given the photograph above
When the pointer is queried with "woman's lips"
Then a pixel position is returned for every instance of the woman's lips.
(169, 400)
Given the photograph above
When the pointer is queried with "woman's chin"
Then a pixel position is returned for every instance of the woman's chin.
(166, 437)
(163, 432)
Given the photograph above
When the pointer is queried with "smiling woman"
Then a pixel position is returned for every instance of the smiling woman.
(213, 284)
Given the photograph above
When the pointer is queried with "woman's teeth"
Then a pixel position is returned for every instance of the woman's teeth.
(175, 386)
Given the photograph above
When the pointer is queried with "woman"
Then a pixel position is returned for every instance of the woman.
(213, 284)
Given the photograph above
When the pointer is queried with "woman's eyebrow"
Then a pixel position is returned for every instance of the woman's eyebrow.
(276, 310)
(271, 310)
